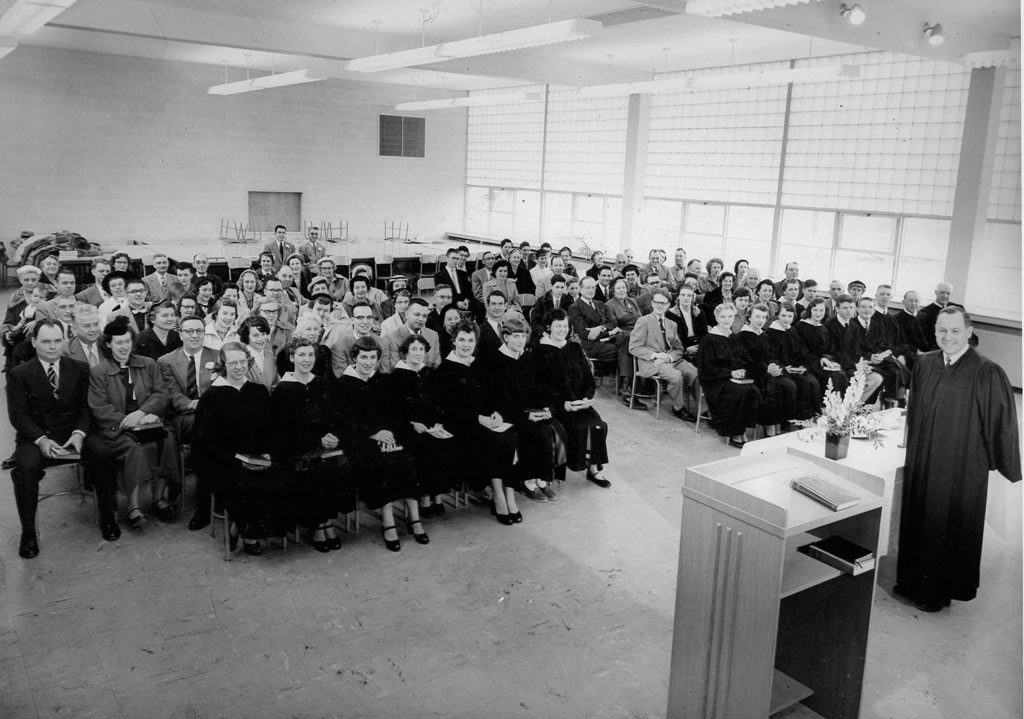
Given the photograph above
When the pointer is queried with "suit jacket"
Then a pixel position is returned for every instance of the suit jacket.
(156, 293)
(393, 340)
(73, 349)
(861, 343)
(477, 280)
(266, 375)
(489, 343)
(173, 368)
(310, 252)
(700, 327)
(91, 296)
(33, 410)
(646, 339)
(340, 340)
(545, 304)
(465, 290)
(582, 317)
(838, 344)
(125, 310)
(507, 287)
(274, 249)
(107, 398)
(600, 295)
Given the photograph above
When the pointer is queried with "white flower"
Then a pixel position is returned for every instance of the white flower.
(208, 365)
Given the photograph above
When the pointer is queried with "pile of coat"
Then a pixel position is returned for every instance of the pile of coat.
(31, 250)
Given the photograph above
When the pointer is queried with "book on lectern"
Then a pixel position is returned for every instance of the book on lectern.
(824, 492)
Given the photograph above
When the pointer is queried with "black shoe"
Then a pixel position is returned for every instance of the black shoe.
(437, 510)
(427, 512)
(321, 545)
(516, 517)
(422, 537)
(167, 513)
(637, 404)
(199, 520)
(108, 527)
(252, 548)
(598, 480)
(393, 545)
(738, 444)
(684, 415)
(29, 546)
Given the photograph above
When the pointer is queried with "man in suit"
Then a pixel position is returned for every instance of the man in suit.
(792, 273)
(188, 372)
(415, 324)
(279, 247)
(867, 342)
(64, 284)
(913, 342)
(655, 343)
(340, 337)
(84, 347)
(603, 288)
(458, 280)
(47, 403)
(136, 308)
(94, 294)
(280, 331)
(201, 265)
(490, 327)
(312, 249)
(553, 299)
(481, 276)
(160, 285)
(599, 336)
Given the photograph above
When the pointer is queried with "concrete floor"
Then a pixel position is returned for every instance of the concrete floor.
(566, 615)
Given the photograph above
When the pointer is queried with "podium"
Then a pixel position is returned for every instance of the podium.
(758, 625)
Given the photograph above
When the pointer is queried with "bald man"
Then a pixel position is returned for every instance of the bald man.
(928, 315)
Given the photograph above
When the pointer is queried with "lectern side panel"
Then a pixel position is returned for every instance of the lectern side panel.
(726, 611)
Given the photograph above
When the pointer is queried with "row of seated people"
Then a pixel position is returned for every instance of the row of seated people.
(511, 420)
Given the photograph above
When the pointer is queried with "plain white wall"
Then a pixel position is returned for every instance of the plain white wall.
(121, 148)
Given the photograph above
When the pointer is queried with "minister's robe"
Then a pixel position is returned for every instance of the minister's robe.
(961, 425)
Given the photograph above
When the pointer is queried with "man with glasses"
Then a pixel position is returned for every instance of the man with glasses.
(482, 276)
(312, 249)
(655, 343)
(340, 339)
(201, 267)
(273, 291)
(651, 283)
(137, 308)
(280, 330)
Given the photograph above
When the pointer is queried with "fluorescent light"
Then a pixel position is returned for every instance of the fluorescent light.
(738, 80)
(7, 46)
(471, 101)
(24, 17)
(527, 37)
(934, 34)
(263, 82)
(718, 8)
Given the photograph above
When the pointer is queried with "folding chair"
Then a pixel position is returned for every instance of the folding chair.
(658, 388)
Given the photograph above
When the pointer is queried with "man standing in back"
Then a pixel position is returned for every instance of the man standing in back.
(279, 246)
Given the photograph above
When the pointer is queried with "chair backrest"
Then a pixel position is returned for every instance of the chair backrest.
(425, 285)
(239, 263)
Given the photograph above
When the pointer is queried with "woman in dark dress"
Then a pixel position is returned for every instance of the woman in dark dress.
(161, 336)
(518, 271)
(566, 383)
(438, 460)
(450, 319)
(486, 443)
(732, 396)
(816, 342)
(320, 486)
(778, 392)
(235, 417)
(689, 320)
(307, 326)
(542, 439)
(368, 426)
(786, 349)
(720, 294)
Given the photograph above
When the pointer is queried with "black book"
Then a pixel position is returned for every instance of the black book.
(841, 553)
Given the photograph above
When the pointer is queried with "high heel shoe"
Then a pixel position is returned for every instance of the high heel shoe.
(252, 548)
(422, 537)
(516, 517)
(334, 542)
(320, 545)
(136, 518)
(504, 518)
(393, 545)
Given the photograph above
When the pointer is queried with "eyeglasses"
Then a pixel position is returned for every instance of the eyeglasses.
(136, 291)
(237, 363)
(191, 332)
(659, 302)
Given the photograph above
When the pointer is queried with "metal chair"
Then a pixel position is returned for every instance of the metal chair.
(425, 286)
(658, 389)
(238, 263)
(700, 408)
(80, 490)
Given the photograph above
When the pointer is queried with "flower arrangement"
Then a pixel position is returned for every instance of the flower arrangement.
(845, 415)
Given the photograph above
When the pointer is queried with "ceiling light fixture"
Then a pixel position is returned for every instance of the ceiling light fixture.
(853, 14)
(264, 82)
(24, 17)
(521, 39)
(718, 8)
(471, 101)
(934, 34)
(728, 81)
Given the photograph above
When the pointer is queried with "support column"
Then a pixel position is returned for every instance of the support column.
(974, 175)
(635, 171)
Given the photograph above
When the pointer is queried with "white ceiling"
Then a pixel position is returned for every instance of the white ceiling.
(640, 37)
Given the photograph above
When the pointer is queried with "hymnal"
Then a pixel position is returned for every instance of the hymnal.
(841, 553)
(825, 492)
(328, 453)
(255, 460)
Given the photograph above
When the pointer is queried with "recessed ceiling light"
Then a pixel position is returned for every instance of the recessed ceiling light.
(854, 14)
(934, 34)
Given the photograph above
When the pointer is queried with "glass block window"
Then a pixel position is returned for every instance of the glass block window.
(1004, 195)
(662, 225)
(504, 142)
(993, 285)
(717, 145)
(806, 238)
(703, 231)
(586, 143)
(478, 209)
(748, 235)
(888, 141)
(922, 263)
(867, 250)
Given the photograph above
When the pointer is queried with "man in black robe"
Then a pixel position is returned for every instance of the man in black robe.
(962, 424)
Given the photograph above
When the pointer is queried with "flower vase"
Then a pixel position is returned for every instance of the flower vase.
(836, 446)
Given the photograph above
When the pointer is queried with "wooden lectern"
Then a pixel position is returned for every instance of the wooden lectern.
(758, 625)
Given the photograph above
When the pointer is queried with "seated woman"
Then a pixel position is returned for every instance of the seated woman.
(374, 295)
(624, 308)
(301, 275)
(786, 349)
(307, 326)
(451, 316)
(689, 319)
(204, 296)
(566, 383)
(230, 291)
(718, 295)
(487, 444)
(161, 337)
(396, 320)
(254, 333)
(360, 292)
(519, 272)
(765, 294)
(732, 396)
(368, 424)
(235, 417)
(778, 391)
(438, 460)
(304, 403)
(127, 392)
(502, 283)
(741, 300)
(116, 285)
(816, 342)
(249, 283)
(188, 307)
(220, 326)
(514, 393)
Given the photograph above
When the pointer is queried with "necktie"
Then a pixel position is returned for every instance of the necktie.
(91, 356)
(191, 387)
(949, 362)
(51, 377)
(163, 285)
(281, 250)
(455, 280)
(664, 337)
